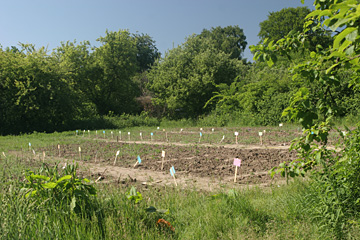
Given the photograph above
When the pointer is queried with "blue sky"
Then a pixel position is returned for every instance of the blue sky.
(168, 22)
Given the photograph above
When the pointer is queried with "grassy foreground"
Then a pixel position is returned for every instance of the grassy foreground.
(118, 212)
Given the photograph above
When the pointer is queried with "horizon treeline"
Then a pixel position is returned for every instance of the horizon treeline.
(205, 77)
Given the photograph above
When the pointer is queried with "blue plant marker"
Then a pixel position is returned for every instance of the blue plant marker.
(151, 134)
(103, 132)
(77, 131)
(139, 159)
(200, 134)
(173, 169)
(171, 172)
(29, 144)
(312, 132)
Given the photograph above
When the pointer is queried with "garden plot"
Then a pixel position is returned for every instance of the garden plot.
(198, 165)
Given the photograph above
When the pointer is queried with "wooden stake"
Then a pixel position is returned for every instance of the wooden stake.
(235, 173)
(59, 149)
(117, 154)
(43, 156)
(162, 159)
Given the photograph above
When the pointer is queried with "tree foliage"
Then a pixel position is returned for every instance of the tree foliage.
(314, 108)
(188, 76)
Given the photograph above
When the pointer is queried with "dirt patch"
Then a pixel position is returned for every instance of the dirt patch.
(202, 166)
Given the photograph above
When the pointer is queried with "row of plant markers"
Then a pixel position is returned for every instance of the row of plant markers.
(152, 134)
(236, 163)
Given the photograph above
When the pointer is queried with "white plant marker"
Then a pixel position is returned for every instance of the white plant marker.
(212, 130)
(158, 128)
(80, 153)
(138, 161)
(4, 154)
(236, 137)
(59, 149)
(112, 134)
(344, 133)
(162, 159)
(222, 139)
(141, 136)
(129, 135)
(43, 156)
(237, 163)
(181, 130)
(201, 129)
(280, 124)
(89, 133)
(172, 173)
(260, 135)
(96, 133)
(34, 152)
(117, 154)
(120, 135)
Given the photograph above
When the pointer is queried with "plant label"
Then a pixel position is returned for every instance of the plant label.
(163, 154)
(158, 128)
(260, 134)
(34, 152)
(140, 134)
(280, 124)
(236, 133)
(117, 153)
(29, 144)
(201, 129)
(128, 133)
(237, 162)
(139, 159)
(200, 134)
(152, 134)
(4, 154)
(79, 149)
(181, 130)
(172, 171)
(212, 130)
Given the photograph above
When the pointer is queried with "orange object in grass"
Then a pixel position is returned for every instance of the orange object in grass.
(165, 223)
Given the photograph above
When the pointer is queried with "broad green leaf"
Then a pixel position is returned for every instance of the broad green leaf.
(343, 35)
(49, 185)
(66, 177)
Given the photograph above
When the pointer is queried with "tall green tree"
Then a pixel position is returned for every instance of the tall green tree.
(116, 58)
(230, 40)
(188, 76)
(280, 23)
